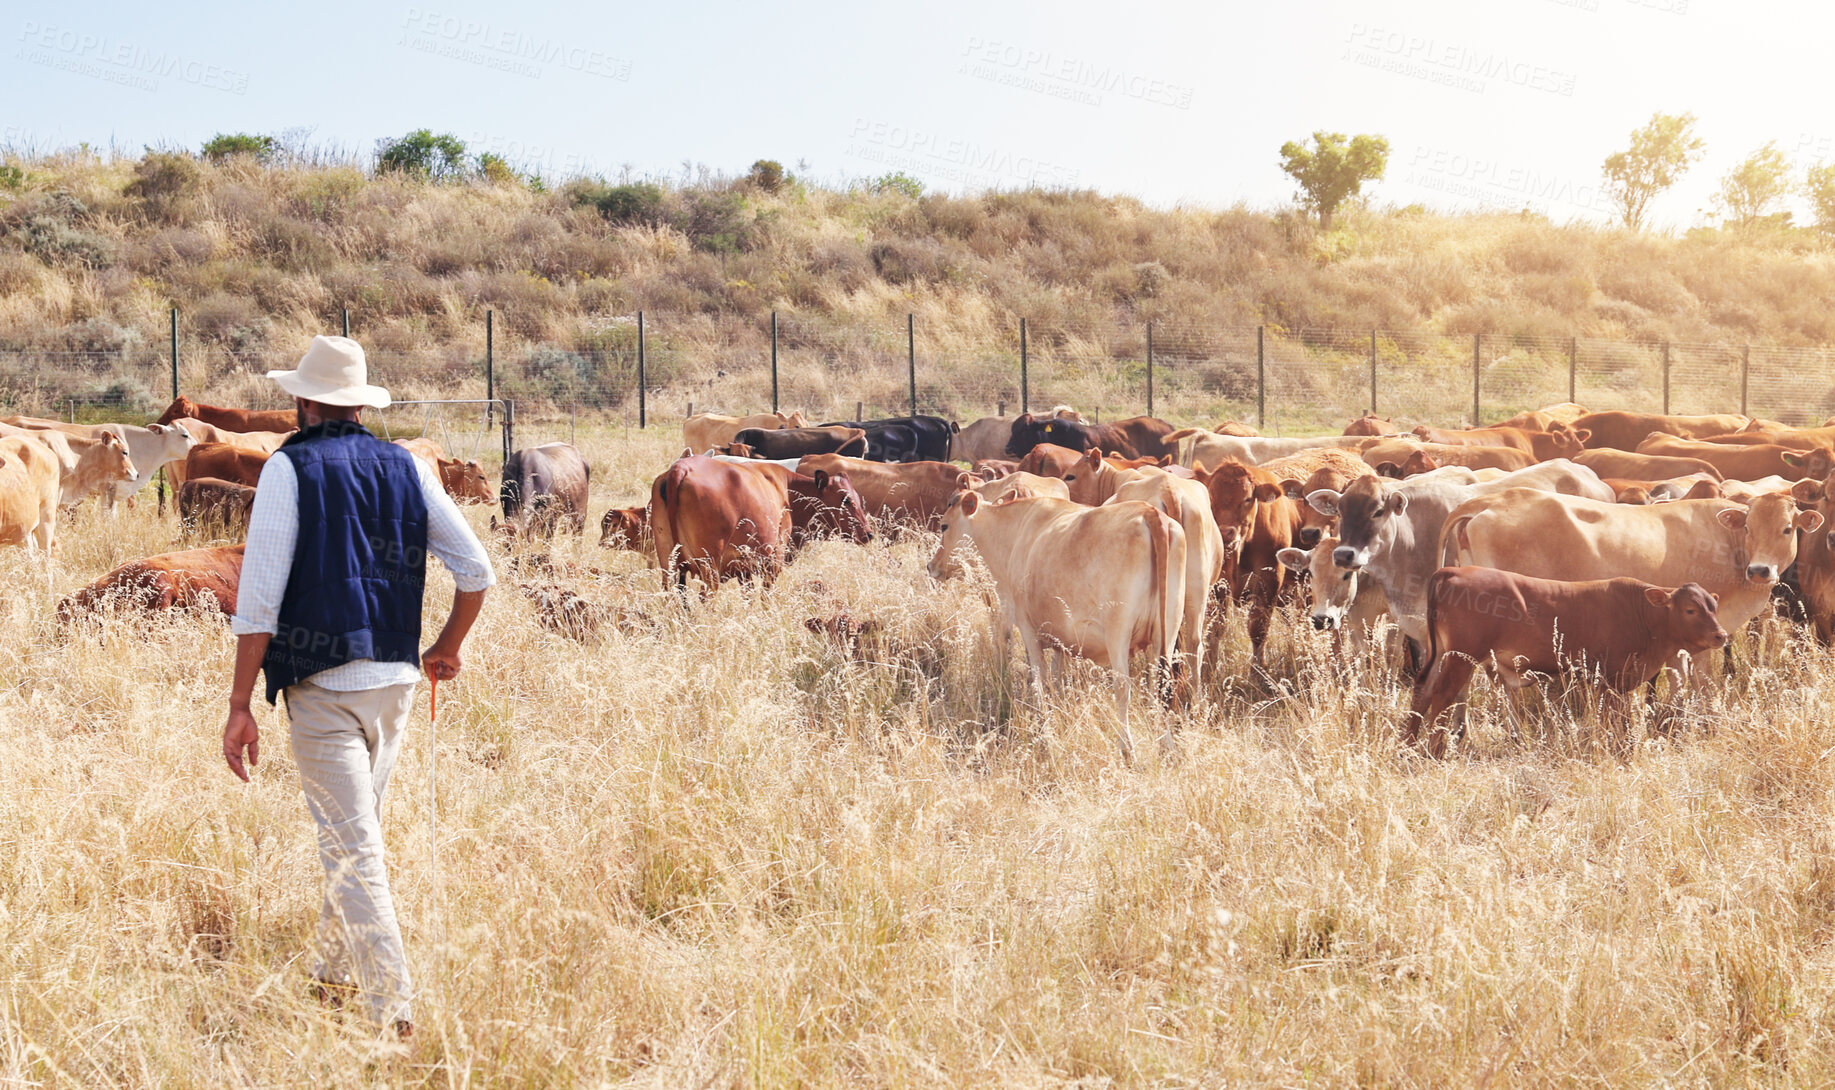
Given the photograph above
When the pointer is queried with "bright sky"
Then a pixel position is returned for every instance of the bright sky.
(1502, 104)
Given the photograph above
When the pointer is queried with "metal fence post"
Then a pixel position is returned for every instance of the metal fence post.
(911, 357)
(1477, 348)
(643, 377)
(1261, 377)
(1745, 371)
(1665, 378)
(346, 312)
(490, 369)
(774, 361)
(162, 469)
(1023, 392)
(1373, 372)
(1149, 368)
(1573, 358)
(509, 428)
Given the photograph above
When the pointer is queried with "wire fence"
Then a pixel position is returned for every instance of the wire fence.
(653, 369)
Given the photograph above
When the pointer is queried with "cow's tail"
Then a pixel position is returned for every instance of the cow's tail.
(1434, 583)
(1165, 629)
(674, 561)
(1454, 539)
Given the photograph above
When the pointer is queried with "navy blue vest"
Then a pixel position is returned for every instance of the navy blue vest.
(361, 561)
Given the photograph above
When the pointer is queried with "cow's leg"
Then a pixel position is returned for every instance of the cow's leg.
(1435, 690)
(1262, 590)
(1118, 662)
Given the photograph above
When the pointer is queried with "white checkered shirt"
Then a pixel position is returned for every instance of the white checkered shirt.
(273, 531)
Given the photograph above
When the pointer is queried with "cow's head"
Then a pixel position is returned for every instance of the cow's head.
(1704, 490)
(116, 465)
(838, 508)
(624, 528)
(1689, 615)
(175, 434)
(1366, 514)
(1314, 524)
(1333, 588)
(464, 480)
(1810, 464)
(1050, 460)
(1029, 431)
(1236, 491)
(1065, 412)
(1636, 495)
(1768, 533)
(1566, 442)
(957, 518)
(1087, 477)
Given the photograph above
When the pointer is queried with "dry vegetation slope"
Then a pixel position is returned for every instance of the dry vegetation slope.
(93, 252)
(713, 848)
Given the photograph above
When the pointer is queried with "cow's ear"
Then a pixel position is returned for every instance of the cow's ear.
(1582, 434)
(1293, 558)
(1806, 491)
(1093, 457)
(1791, 458)
(1398, 502)
(1293, 490)
(821, 479)
(1733, 518)
(1808, 521)
(1389, 469)
(1267, 492)
(1325, 501)
(1657, 596)
(971, 502)
(687, 452)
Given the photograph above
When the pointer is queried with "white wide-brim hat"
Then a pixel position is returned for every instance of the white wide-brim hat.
(333, 372)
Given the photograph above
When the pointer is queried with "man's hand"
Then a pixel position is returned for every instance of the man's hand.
(240, 733)
(440, 663)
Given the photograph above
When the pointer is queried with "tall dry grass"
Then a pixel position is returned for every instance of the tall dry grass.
(712, 847)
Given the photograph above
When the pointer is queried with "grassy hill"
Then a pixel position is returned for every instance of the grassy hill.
(93, 252)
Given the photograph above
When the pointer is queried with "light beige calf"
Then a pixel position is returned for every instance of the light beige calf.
(704, 431)
(28, 493)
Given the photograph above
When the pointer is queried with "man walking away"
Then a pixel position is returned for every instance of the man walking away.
(330, 610)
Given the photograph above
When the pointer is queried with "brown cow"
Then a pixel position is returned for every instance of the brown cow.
(1408, 457)
(225, 463)
(1256, 520)
(231, 419)
(1371, 424)
(1612, 462)
(207, 502)
(824, 505)
(1625, 430)
(993, 469)
(1816, 557)
(722, 520)
(705, 431)
(1544, 446)
(1782, 435)
(193, 579)
(797, 442)
(1314, 523)
(913, 493)
(1625, 630)
(1050, 460)
(266, 442)
(1236, 428)
(1747, 463)
(625, 528)
(1529, 420)
(462, 478)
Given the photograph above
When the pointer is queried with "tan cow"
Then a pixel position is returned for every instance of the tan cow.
(462, 478)
(1546, 446)
(1343, 602)
(1400, 455)
(1625, 430)
(987, 438)
(913, 493)
(28, 493)
(1735, 552)
(1098, 582)
(1209, 450)
(1018, 486)
(148, 448)
(1745, 463)
(705, 431)
(264, 442)
(92, 466)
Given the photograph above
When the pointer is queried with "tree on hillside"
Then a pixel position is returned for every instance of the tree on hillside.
(226, 145)
(767, 174)
(1748, 194)
(1333, 170)
(437, 158)
(1659, 154)
(1819, 187)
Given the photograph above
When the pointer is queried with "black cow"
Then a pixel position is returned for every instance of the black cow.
(1135, 437)
(907, 438)
(543, 487)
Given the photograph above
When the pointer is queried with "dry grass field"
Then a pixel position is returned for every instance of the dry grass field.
(712, 847)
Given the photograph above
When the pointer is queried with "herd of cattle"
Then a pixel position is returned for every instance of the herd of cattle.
(1615, 543)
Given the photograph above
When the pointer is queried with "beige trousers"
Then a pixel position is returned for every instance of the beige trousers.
(345, 746)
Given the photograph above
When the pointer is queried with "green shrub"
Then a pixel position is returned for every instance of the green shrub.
(766, 174)
(11, 177)
(496, 170)
(423, 154)
(898, 182)
(717, 222)
(229, 145)
(639, 203)
(50, 231)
